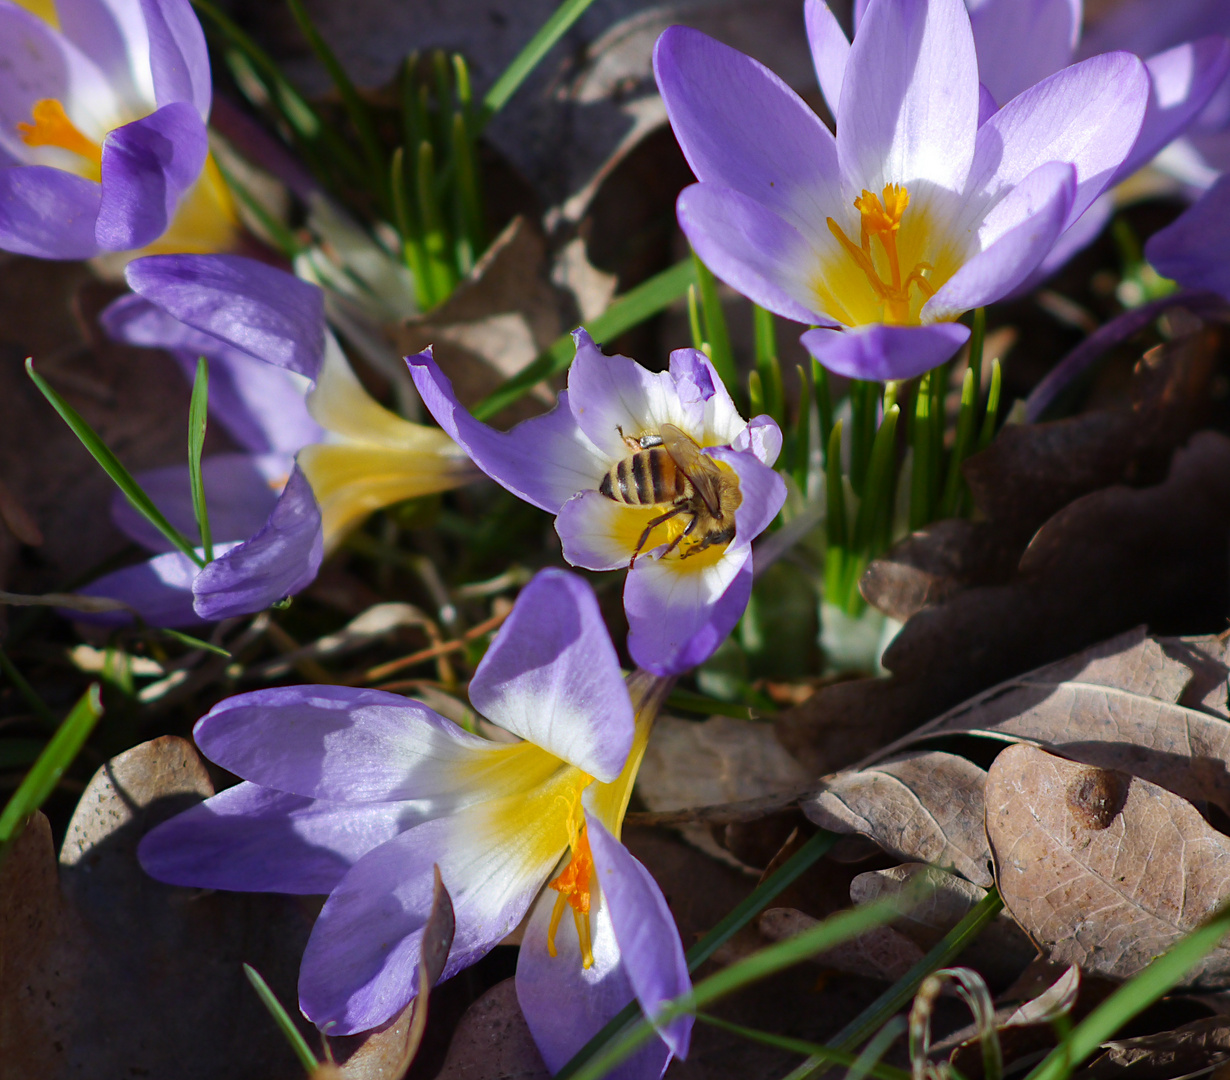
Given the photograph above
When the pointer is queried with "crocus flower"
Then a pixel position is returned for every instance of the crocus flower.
(914, 213)
(1194, 249)
(585, 461)
(281, 387)
(103, 146)
(358, 793)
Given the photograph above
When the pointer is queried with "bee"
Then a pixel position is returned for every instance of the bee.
(668, 469)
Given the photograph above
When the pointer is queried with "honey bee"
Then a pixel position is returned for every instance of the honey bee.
(669, 470)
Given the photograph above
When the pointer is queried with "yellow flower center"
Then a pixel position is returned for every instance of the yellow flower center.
(881, 221)
(52, 127)
(573, 885)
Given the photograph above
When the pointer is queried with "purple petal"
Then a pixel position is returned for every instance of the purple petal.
(1016, 235)
(361, 962)
(763, 490)
(565, 1003)
(697, 381)
(340, 744)
(987, 105)
(1193, 249)
(1182, 80)
(885, 352)
(552, 676)
(159, 590)
(146, 166)
(829, 49)
(649, 946)
(742, 127)
(254, 839)
(261, 406)
(177, 54)
(260, 310)
(1021, 42)
(1088, 114)
(678, 615)
(278, 561)
(752, 249)
(545, 460)
(115, 37)
(48, 213)
(909, 103)
(1078, 236)
(595, 531)
(762, 437)
(241, 490)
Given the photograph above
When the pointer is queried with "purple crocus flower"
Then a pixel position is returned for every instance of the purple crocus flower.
(915, 212)
(689, 578)
(264, 333)
(358, 793)
(103, 106)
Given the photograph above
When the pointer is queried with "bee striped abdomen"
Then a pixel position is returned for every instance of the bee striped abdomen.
(646, 478)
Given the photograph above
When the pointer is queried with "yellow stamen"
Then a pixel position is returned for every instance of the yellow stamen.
(573, 885)
(52, 127)
(882, 220)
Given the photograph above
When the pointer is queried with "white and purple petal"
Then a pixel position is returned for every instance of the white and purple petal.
(545, 460)
(179, 61)
(593, 531)
(909, 101)
(147, 166)
(159, 590)
(697, 382)
(343, 744)
(48, 213)
(260, 310)
(250, 838)
(552, 677)
(881, 353)
(829, 50)
(1021, 42)
(278, 561)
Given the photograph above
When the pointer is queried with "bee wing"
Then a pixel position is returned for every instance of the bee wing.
(696, 466)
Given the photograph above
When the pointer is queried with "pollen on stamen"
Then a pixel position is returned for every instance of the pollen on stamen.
(573, 886)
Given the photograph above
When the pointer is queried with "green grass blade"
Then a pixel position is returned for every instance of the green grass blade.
(843, 926)
(799, 1046)
(194, 642)
(755, 394)
(356, 108)
(824, 403)
(293, 1036)
(278, 234)
(692, 702)
(760, 898)
(412, 251)
(865, 399)
(122, 478)
(923, 443)
(988, 421)
(198, 420)
(837, 534)
(954, 487)
(768, 363)
(1162, 975)
(470, 196)
(898, 996)
(45, 774)
(717, 337)
(528, 58)
(440, 273)
(801, 443)
(627, 311)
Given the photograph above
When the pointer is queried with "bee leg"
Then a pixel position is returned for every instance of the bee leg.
(629, 442)
(674, 511)
(675, 543)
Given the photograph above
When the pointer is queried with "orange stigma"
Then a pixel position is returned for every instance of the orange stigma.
(883, 220)
(573, 886)
(52, 127)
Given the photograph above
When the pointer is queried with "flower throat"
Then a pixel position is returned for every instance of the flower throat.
(882, 220)
(573, 884)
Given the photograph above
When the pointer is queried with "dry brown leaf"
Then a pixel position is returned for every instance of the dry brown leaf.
(493, 1041)
(1055, 1001)
(1112, 706)
(1187, 1050)
(881, 953)
(1101, 869)
(922, 806)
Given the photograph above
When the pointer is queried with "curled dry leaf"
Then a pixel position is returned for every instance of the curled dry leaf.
(1189, 1050)
(923, 806)
(1113, 706)
(1101, 869)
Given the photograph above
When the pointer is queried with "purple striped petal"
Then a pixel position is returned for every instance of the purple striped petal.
(361, 963)
(277, 562)
(1181, 82)
(742, 127)
(146, 166)
(545, 460)
(885, 352)
(48, 213)
(340, 744)
(1021, 42)
(178, 58)
(115, 37)
(909, 103)
(1193, 249)
(752, 249)
(650, 951)
(552, 677)
(1016, 236)
(260, 310)
(829, 49)
(159, 590)
(250, 838)
(593, 531)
